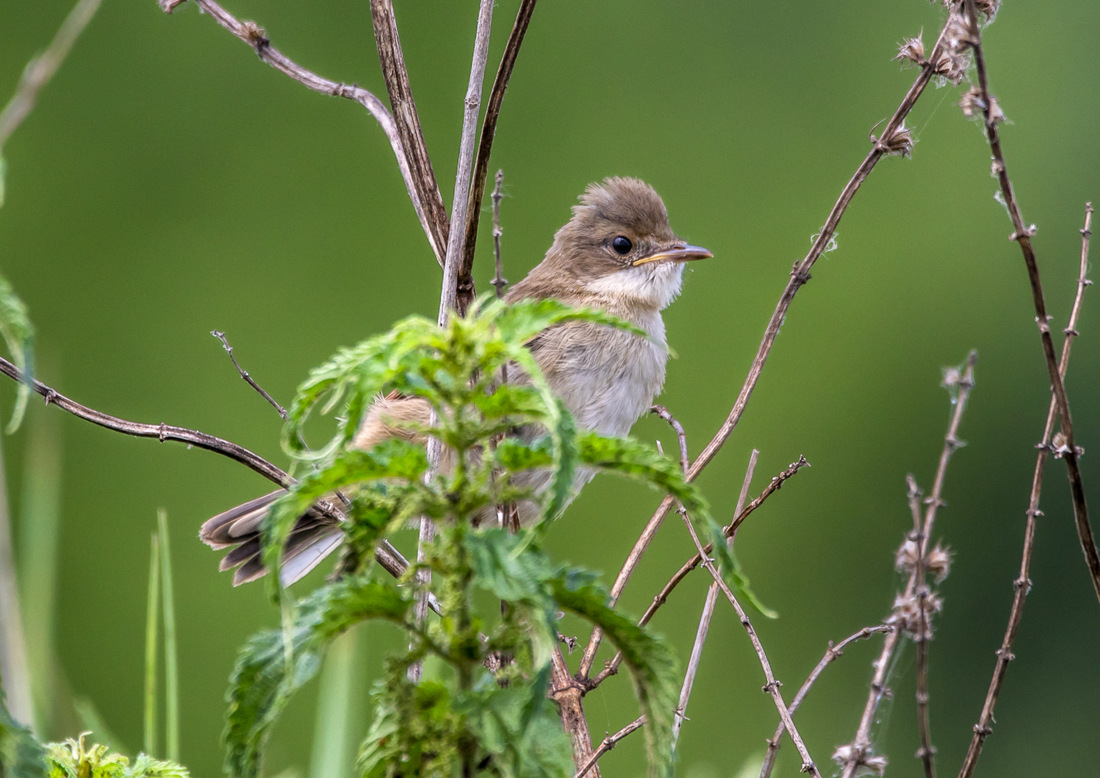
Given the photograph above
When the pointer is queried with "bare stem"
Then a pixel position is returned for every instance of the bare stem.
(485, 146)
(771, 685)
(800, 274)
(1022, 235)
(500, 283)
(568, 692)
(42, 68)
(612, 666)
(1022, 583)
(703, 629)
(857, 753)
(831, 655)
(421, 181)
(246, 377)
(418, 182)
(608, 743)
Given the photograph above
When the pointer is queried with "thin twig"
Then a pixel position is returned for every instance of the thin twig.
(771, 685)
(254, 35)
(927, 751)
(485, 145)
(800, 274)
(1022, 583)
(858, 753)
(388, 557)
(612, 665)
(500, 283)
(247, 378)
(423, 187)
(831, 655)
(1022, 235)
(42, 68)
(608, 743)
(703, 629)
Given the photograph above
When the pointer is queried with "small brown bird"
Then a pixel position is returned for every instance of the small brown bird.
(618, 254)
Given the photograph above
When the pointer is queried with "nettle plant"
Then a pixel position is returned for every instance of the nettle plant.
(486, 709)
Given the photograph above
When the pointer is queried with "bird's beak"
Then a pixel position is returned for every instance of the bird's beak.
(678, 253)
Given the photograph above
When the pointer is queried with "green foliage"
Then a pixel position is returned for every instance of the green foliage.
(467, 718)
(21, 756)
(18, 335)
(72, 759)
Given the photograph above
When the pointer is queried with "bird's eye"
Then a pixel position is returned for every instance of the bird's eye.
(622, 245)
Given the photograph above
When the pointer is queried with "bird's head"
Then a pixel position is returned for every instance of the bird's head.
(618, 246)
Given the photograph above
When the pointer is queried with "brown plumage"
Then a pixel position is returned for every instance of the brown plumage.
(617, 253)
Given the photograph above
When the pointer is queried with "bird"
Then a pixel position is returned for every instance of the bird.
(617, 254)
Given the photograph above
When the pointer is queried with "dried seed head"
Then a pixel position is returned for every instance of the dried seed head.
(911, 49)
(905, 558)
(938, 562)
(898, 143)
(988, 9)
(906, 615)
(847, 754)
(972, 103)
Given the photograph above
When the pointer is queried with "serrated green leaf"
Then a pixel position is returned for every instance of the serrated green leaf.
(649, 660)
(21, 755)
(264, 677)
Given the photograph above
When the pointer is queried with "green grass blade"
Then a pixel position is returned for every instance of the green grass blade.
(333, 741)
(171, 661)
(149, 720)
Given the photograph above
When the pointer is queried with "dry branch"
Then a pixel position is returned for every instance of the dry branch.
(415, 182)
(1022, 583)
(1022, 235)
(858, 754)
(888, 144)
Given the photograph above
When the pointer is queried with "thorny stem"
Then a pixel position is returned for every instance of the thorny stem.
(800, 274)
(612, 666)
(703, 629)
(1022, 583)
(860, 747)
(1022, 235)
(418, 181)
(831, 655)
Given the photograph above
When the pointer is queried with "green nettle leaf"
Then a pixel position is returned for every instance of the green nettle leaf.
(21, 756)
(74, 759)
(269, 671)
(465, 720)
(649, 660)
(18, 335)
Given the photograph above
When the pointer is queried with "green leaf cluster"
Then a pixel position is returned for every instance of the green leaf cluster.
(485, 709)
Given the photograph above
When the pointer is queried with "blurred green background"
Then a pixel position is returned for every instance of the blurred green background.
(169, 184)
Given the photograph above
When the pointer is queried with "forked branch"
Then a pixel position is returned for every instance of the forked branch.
(1022, 235)
(1022, 583)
